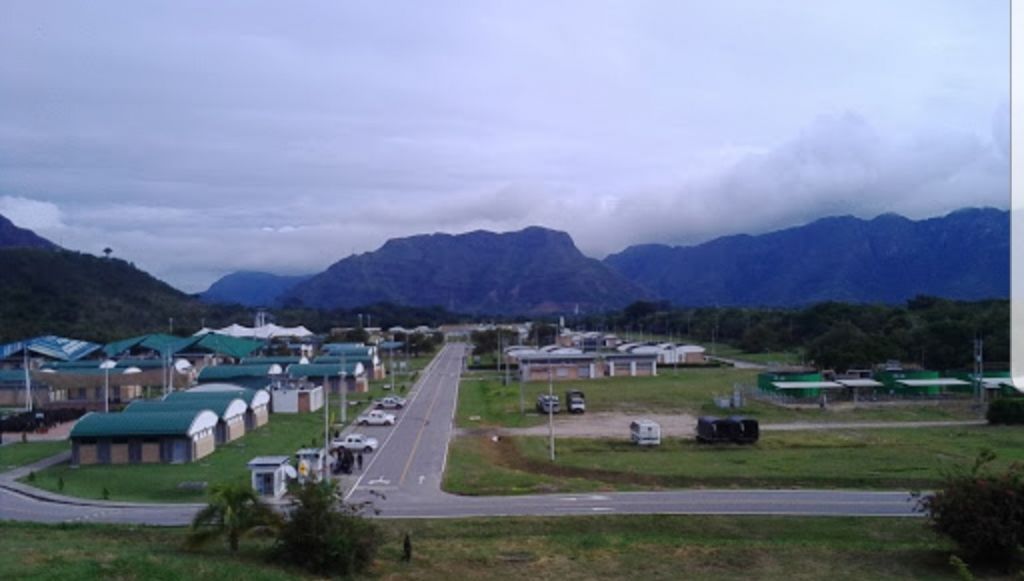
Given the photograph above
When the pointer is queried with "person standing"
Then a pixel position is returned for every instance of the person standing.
(407, 549)
(359, 461)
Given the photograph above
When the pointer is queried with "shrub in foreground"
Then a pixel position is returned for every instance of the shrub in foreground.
(1007, 410)
(326, 536)
(981, 511)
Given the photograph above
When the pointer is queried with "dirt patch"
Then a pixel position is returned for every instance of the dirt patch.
(598, 425)
(57, 432)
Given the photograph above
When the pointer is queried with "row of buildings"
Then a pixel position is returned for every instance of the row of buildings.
(47, 372)
(885, 380)
(571, 363)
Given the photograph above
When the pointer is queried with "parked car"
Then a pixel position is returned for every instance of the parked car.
(391, 402)
(735, 429)
(356, 443)
(547, 404)
(575, 401)
(376, 418)
(645, 433)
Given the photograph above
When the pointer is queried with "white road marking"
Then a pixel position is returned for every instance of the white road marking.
(601, 508)
(421, 478)
(380, 480)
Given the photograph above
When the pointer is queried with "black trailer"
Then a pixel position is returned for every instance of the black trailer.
(735, 429)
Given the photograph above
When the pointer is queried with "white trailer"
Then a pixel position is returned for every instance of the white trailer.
(645, 432)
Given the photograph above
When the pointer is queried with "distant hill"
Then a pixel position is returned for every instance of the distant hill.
(889, 259)
(531, 271)
(83, 296)
(251, 289)
(12, 236)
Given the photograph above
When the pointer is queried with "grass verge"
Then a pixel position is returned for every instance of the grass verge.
(22, 453)
(620, 547)
(871, 459)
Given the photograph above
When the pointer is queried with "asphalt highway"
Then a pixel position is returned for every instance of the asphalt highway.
(402, 479)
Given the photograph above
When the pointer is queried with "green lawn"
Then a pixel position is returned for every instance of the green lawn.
(765, 358)
(20, 454)
(689, 391)
(610, 547)
(873, 459)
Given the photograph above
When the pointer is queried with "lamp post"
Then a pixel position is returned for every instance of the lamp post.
(106, 366)
(551, 414)
(343, 388)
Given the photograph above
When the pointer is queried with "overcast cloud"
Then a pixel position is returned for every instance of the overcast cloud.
(198, 138)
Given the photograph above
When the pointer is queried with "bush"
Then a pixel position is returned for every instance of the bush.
(1007, 410)
(982, 512)
(325, 535)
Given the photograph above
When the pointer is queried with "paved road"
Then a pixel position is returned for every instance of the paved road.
(403, 480)
(412, 457)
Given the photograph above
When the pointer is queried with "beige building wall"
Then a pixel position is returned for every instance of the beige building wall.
(203, 447)
(150, 453)
(86, 454)
(235, 428)
(119, 453)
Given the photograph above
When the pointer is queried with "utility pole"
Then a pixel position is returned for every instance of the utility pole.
(551, 413)
(28, 377)
(327, 431)
(979, 369)
(522, 391)
(343, 388)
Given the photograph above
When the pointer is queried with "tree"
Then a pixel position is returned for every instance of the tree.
(107, 251)
(982, 511)
(326, 535)
(234, 511)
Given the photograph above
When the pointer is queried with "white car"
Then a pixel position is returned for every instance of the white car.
(376, 418)
(356, 443)
(390, 402)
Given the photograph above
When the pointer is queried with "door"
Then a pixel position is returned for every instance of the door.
(179, 453)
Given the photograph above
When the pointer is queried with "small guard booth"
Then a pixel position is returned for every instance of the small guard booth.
(270, 475)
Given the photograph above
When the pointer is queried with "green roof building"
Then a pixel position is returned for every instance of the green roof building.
(173, 437)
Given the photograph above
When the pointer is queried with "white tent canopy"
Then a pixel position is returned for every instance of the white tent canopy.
(806, 385)
(938, 381)
(860, 383)
(270, 331)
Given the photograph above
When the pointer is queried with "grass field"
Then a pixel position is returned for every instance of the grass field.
(880, 459)
(689, 391)
(609, 547)
(22, 453)
(766, 358)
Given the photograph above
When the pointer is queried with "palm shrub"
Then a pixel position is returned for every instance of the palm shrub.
(981, 511)
(234, 511)
(325, 535)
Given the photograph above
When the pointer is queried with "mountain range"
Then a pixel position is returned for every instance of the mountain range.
(534, 270)
(887, 259)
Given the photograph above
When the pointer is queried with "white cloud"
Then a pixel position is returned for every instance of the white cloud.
(31, 214)
(283, 139)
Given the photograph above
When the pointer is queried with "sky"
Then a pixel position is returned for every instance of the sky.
(200, 138)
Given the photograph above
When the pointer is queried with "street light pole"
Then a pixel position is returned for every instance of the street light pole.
(343, 388)
(106, 366)
(551, 414)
